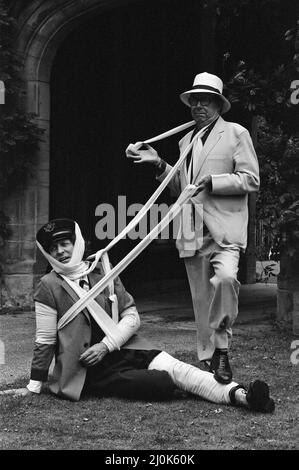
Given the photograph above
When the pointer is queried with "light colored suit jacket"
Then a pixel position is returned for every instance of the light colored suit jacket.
(229, 157)
(72, 340)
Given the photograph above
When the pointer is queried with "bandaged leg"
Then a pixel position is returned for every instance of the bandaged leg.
(193, 380)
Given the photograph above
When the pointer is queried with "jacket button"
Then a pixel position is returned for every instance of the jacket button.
(86, 345)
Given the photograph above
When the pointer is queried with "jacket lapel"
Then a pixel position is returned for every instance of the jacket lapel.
(185, 141)
(70, 291)
(93, 277)
(213, 138)
(73, 296)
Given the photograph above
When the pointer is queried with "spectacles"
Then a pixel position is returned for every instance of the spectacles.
(202, 100)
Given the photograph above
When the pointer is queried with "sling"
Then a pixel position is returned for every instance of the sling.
(102, 318)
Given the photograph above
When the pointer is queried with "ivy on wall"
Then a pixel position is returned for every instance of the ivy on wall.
(19, 134)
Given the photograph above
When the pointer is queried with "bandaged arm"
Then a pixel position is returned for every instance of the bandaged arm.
(46, 334)
(127, 327)
(44, 347)
(129, 322)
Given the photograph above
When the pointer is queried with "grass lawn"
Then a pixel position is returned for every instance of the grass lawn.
(258, 351)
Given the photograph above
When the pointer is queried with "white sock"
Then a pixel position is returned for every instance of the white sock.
(191, 379)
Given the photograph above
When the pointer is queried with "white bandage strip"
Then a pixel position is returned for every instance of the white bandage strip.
(104, 321)
(160, 188)
(173, 131)
(112, 295)
(46, 324)
(191, 379)
(104, 282)
(183, 198)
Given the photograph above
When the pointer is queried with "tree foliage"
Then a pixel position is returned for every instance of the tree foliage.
(263, 89)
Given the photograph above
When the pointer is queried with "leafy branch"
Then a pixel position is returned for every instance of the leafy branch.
(268, 95)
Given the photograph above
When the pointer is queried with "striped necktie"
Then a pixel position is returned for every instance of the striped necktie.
(203, 140)
(188, 158)
(84, 284)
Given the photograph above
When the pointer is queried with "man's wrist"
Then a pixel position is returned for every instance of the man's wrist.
(104, 346)
(160, 166)
(110, 347)
(158, 162)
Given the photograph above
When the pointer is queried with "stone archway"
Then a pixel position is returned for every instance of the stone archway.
(42, 26)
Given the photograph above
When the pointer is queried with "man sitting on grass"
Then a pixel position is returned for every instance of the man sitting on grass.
(90, 362)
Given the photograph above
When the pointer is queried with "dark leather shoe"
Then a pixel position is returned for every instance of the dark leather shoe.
(258, 397)
(220, 367)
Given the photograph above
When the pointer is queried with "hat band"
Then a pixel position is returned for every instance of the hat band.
(62, 233)
(206, 87)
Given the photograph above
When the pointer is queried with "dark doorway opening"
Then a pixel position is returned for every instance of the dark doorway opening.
(116, 80)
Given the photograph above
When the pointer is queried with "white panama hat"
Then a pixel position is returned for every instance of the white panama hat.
(207, 83)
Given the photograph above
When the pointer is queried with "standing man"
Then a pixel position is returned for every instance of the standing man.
(224, 166)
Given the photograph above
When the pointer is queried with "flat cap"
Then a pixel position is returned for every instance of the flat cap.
(54, 230)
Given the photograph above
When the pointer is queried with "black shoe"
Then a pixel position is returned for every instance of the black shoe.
(258, 397)
(220, 366)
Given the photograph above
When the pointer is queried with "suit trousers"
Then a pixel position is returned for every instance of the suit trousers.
(212, 274)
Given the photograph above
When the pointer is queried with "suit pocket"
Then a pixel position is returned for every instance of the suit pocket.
(218, 156)
(235, 203)
(217, 164)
